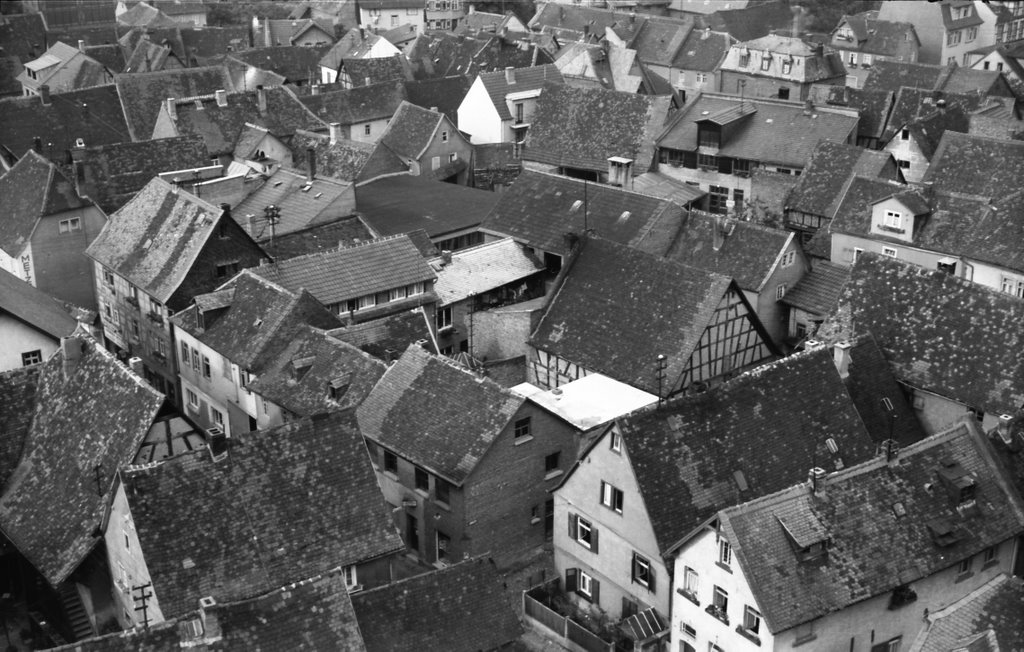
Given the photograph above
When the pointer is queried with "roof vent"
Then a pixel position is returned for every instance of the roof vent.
(207, 602)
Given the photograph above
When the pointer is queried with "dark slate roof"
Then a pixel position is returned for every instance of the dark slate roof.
(927, 131)
(441, 610)
(526, 79)
(201, 43)
(404, 203)
(777, 132)
(114, 173)
(443, 54)
(39, 310)
(996, 609)
(303, 204)
(884, 37)
(361, 104)
(109, 55)
(294, 62)
(351, 272)
(968, 80)
(660, 40)
(820, 188)
(418, 409)
(873, 105)
(914, 104)
(892, 75)
(346, 160)
(322, 237)
(387, 337)
(154, 239)
(537, 210)
(444, 93)
(17, 405)
(977, 165)
(23, 35)
(144, 15)
(818, 291)
(870, 382)
(702, 51)
(754, 21)
(870, 551)
(303, 390)
(92, 114)
(354, 43)
(618, 309)
(411, 130)
(143, 95)
(940, 333)
(10, 69)
(377, 70)
(32, 189)
(260, 321)
(583, 127)
(769, 426)
(96, 416)
(287, 504)
(748, 254)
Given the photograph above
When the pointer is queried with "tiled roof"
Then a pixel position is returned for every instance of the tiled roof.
(351, 272)
(303, 390)
(818, 291)
(884, 37)
(829, 169)
(143, 95)
(526, 79)
(870, 551)
(355, 43)
(443, 54)
(25, 303)
(747, 254)
(411, 130)
(387, 337)
(144, 15)
(92, 114)
(114, 173)
(914, 104)
(618, 309)
(891, 75)
(287, 504)
(659, 41)
(294, 62)
(873, 105)
(283, 32)
(88, 422)
(147, 57)
(663, 186)
(702, 51)
(259, 323)
(951, 23)
(180, 7)
(302, 204)
(482, 268)
(32, 189)
(940, 333)
(245, 76)
(441, 610)
(17, 405)
(377, 70)
(989, 167)
(753, 21)
(968, 80)
(583, 127)
(444, 93)
(201, 43)
(346, 160)
(754, 435)
(404, 203)
(996, 609)
(23, 35)
(74, 69)
(154, 239)
(360, 104)
(537, 210)
(928, 131)
(418, 409)
(873, 388)
(778, 132)
(322, 237)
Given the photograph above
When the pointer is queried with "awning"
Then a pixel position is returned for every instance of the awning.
(644, 625)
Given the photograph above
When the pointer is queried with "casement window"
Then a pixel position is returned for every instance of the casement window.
(583, 584)
(454, 156)
(720, 604)
(435, 162)
(227, 269)
(787, 67)
(351, 577)
(551, 462)
(641, 572)
(422, 479)
(184, 355)
(788, 258)
(691, 581)
(30, 358)
(611, 497)
(724, 552)
(853, 58)
(615, 442)
(225, 367)
(766, 62)
(1012, 285)
(780, 291)
(751, 620)
(69, 225)
(397, 294)
(206, 367)
(744, 59)
(196, 361)
(443, 318)
(444, 136)
(218, 416)
(193, 400)
(890, 251)
(893, 219)
(442, 491)
(717, 198)
(444, 544)
(390, 462)
(953, 38)
(583, 532)
(989, 555)
(522, 429)
(702, 78)
(964, 566)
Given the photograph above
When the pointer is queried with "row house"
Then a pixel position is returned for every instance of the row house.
(156, 253)
(779, 66)
(877, 544)
(862, 40)
(447, 14)
(719, 140)
(499, 106)
(463, 482)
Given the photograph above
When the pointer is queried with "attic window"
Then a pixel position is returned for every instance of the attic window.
(943, 532)
(806, 535)
(300, 366)
(337, 387)
(960, 486)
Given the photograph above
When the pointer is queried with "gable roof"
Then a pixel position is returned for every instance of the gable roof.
(259, 528)
(411, 130)
(914, 104)
(748, 253)
(32, 189)
(872, 105)
(23, 35)
(940, 333)
(386, 337)
(355, 43)
(90, 418)
(295, 63)
(870, 551)
(703, 51)
(820, 187)
(754, 21)
(442, 609)
(145, 15)
(17, 406)
(538, 210)
(618, 309)
(302, 204)
(345, 160)
(583, 127)
(818, 291)
(351, 272)
(39, 310)
(405, 203)
(883, 37)
(368, 71)
(359, 104)
(481, 269)
(994, 612)
(746, 438)
(64, 68)
(525, 79)
(976, 165)
(442, 54)
(445, 93)
(892, 75)
(143, 95)
(418, 410)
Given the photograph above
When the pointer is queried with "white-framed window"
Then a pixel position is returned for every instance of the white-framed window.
(766, 62)
(611, 497)
(751, 619)
(964, 566)
(1012, 285)
(889, 251)
(972, 33)
(443, 319)
(893, 219)
(69, 225)
(715, 648)
(217, 416)
(780, 291)
(702, 78)
(416, 288)
(867, 59)
(351, 577)
(691, 581)
(196, 361)
(688, 630)
(892, 645)
(108, 278)
(641, 570)
(29, 358)
(787, 67)
(989, 554)
(454, 156)
(582, 532)
(586, 585)
(853, 58)
(206, 367)
(192, 398)
(788, 258)
(225, 368)
(724, 552)
(397, 294)
(953, 38)
(366, 130)
(394, 20)
(521, 429)
(720, 599)
(615, 442)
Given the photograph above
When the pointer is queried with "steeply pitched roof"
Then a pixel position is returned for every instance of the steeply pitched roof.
(377, 70)
(442, 609)
(870, 551)
(321, 237)
(92, 114)
(411, 130)
(67, 68)
(114, 173)
(142, 95)
(404, 203)
(153, 239)
(482, 268)
(583, 127)
(818, 291)
(525, 79)
(891, 75)
(747, 254)
(989, 167)
(879, 399)
(32, 189)
(89, 421)
(995, 611)
(360, 104)
(443, 54)
(940, 333)
(754, 435)
(355, 43)
(145, 15)
(17, 406)
(539, 209)
(777, 132)
(23, 35)
(351, 272)
(445, 93)
(873, 105)
(829, 169)
(884, 37)
(294, 62)
(752, 22)
(302, 204)
(418, 409)
(39, 310)
(288, 504)
(346, 160)
(914, 104)
(385, 338)
(702, 51)
(618, 309)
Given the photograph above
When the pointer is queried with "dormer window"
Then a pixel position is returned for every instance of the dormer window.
(766, 62)
(787, 67)
(744, 59)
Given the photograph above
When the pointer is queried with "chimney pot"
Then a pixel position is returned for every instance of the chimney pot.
(816, 477)
(261, 99)
(222, 97)
(510, 75)
(71, 349)
(316, 89)
(335, 132)
(135, 364)
(44, 94)
(81, 45)
(37, 144)
(172, 108)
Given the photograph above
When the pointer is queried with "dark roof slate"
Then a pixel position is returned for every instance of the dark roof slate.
(526, 79)
(411, 129)
(996, 609)
(143, 95)
(892, 75)
(321, 237)
(17, 405)
(829, 169)
(360, 104)
(294, 62)
(444, 93)
(756, 20)
(702, 51)
(404, 203)
(92, 114)
(25, 303)
(818, 291)
(385, 338)
(989, 167)
(870, 382)
(377, 70)
(443, 54)
(23, 35)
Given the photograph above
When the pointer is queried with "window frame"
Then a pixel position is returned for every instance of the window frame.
(691, 581)
(30, 358)
(191, 398)
(751, 620)
(724, 552)
(780, 291)
(585, 578)
(69, 225)
(612, 497)
(989, 555)
(522, 430)
(891, 252)
(588, 540)
(390, 462)
(641, 563)
(893, 219)
(556, 458)
(442, 491)
(615, 442)
(421, 479)
(788, 258)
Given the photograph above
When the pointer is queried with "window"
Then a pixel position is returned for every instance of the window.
(766, 62)
(714, 648)
(611, 497)
(953, 38)
(904, 164)
(135, 329)
(394, 20)
(804, 633)
(442, 491)
(744, 60)
(853, 58)
(435, 162)
(69, 225)
(422, 479)
(780, 291)
(964, 566)
(972, 33)
(586, 586)
(857, 251)
(443, 318)
(416, 288)
(218, 416)
(866, 60)
(454, 156)
(206, 367)
(905, 134)
(551, 462)
(787, 67)
(702, 78)
(1011, 285)
(707, 162)
(522, 429)
(366, 130)
(193, 400)
(788, 258)
(889, 251)
(397, 294)
(225, 367)
(444, 545)
(691, 581)
(582, 532)
(689, 631)
(717, 197)
(783, 93)
(642, 573)
(724, 552)
(30, 358)
(720, 604)
(444, 136)
(989, 555)
(615, 442)
(390, 462)
(227, 269)
(411, 12)
(892, 645)
(893, 219)
(108, 278)
(751, 619)
(351, 578)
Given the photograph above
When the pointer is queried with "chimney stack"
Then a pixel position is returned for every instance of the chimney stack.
(816, 478)
(841, 357)
(172, 108)
(718, 233)
(44, 94)
(261, 99)
(81, 45)
(335, 132)
(310, 164)
(316, 89)
(37, 144)
(71, 349)
(510, 75)
(225, 210)
(135, 364)
(362, 34)
(222, 97)
(707, 33)
(472, 9)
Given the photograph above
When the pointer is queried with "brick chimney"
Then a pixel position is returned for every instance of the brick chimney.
(44, 94)
(816, 480)
(222, 97)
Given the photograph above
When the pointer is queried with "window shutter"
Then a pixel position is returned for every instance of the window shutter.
(572, 526)
(570, 579)
(595, 591)
(593, 540)
(651, 575)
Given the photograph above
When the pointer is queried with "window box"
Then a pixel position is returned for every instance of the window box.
(891, 229)
(155, 317)
(132, 300)
(718, 613)
(747, 634)
(689, 596)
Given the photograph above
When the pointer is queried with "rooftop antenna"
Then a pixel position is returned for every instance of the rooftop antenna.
(272, 214)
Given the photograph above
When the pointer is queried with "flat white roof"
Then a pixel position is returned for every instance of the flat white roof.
(588, 402)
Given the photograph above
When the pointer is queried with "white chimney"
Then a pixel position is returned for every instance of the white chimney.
(510, 75)
(335, 132)
(71, 349)
(222, 97)
(841, 357)
(172, 108)
(135, 364)
(261, 99)
(816, 479)
(81, 45)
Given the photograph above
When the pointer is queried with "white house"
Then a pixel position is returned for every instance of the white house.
(499, 105)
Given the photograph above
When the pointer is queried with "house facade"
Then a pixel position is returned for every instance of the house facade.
(31, 323)
(381, 15)
(948, 30)
(862, 39)
(429, 143)
(499, 106)
(779, 66)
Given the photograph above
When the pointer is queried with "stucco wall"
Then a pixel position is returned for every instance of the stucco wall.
(19, 338)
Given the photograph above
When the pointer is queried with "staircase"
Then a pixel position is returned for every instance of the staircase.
(74, 610)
